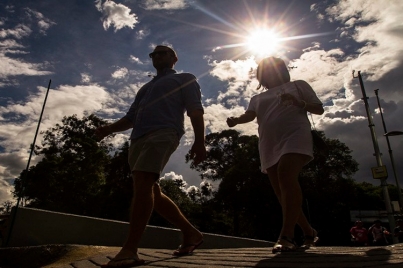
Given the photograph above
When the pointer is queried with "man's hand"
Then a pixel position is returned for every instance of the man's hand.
(102, 132)
(198, 153)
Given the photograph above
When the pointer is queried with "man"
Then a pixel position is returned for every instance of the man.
(398, 232)
(359, 234)
(157, 119)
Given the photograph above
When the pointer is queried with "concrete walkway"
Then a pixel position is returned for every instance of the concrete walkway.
(74, 256)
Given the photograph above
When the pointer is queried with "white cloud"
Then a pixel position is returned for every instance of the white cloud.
(43, 23)
(116, 15)
(135, 60)
(20, 31)
(120, 73)
(164, 4)
(240, 76)
(177, 178)
(141, 34)
(13, 67)
(323, 70)
(85, 78)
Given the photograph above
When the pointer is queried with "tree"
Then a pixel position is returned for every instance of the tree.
(244, 193)
(330, 191)
(118, 188)
(6, 207)
(72, 170)
(245, 196)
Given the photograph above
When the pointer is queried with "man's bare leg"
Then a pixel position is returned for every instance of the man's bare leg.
(164, 206)
(141, 209)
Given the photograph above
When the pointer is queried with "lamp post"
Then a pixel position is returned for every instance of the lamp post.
(377, 154)
(399, 191)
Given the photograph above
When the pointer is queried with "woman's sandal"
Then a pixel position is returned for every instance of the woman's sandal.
(310, 240)
(187, 249)
(284, 244)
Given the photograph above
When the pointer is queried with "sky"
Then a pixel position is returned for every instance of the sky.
(96, 55)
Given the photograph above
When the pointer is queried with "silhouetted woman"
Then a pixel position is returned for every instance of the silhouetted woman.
(285, 142)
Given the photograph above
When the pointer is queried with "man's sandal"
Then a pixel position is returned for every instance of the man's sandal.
(310, 240)
(284, 244)
(123, 263)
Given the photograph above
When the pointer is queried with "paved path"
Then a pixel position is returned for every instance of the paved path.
(390, 256)
(74, 256)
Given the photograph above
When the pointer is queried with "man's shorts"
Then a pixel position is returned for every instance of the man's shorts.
(151, 152)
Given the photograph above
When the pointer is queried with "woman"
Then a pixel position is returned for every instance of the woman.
(285, 142)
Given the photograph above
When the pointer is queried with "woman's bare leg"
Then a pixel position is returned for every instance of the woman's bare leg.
(284, 181)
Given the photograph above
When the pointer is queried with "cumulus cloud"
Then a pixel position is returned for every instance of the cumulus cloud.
(135, 60)
(85, 78)
(141, 34)
(323, 70)
(20, 31)
(120, 73)
(377, 30)
(164, 4)
(43, 23)
(177, 178)
(117, 15)
(240, 76)
(12, 67)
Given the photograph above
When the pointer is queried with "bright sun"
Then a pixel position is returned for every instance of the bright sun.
(263, 42)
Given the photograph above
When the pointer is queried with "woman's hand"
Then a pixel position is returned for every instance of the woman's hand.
(231, 121)
(289, 99)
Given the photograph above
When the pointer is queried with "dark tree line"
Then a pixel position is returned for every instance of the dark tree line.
(78, 175)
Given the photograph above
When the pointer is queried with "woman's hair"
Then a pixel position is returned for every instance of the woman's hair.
(272, 72)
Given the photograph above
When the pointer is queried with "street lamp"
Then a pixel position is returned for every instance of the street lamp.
(399, 191)
(377, 155)
(393, 133)
(387, 134)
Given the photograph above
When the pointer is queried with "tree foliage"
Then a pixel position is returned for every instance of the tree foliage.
(244, 193)
(71, 174)
(78, 175)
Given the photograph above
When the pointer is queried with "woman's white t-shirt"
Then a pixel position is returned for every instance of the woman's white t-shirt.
(283, 129)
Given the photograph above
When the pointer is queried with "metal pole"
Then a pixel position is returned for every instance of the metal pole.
(392, 160)
(384, 185)
(26, 169)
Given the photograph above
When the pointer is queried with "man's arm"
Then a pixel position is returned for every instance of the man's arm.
(118, 126)
(198, 151)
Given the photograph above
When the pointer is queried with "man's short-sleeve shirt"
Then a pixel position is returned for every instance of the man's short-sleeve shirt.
(162, 102)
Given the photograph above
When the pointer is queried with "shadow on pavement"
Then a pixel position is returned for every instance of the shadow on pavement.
(373, 257)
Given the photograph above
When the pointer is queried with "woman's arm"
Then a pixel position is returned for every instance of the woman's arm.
(248, 116)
